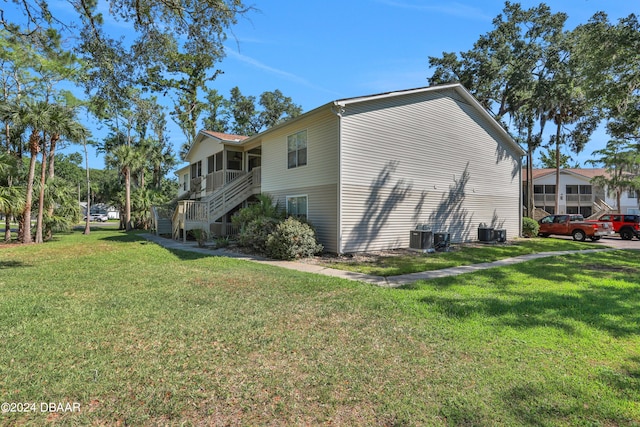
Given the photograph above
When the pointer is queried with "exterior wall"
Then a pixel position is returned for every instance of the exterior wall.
(202, 150)
(318, 179)
(322, 213)
(423, 158)
(183, 186)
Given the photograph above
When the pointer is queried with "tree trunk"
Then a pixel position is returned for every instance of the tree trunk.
(127, 200)
(26, 217)
(87, 226)
(558, 129)
(51, 174)
(530, 196)
(40, 220)
(7, 228)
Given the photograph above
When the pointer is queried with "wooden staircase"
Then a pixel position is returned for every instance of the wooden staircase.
(600, 207)
(192, 214)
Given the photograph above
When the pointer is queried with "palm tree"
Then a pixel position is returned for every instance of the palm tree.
(11, 197)
(125, 159)
(33, 116)
(62, 124)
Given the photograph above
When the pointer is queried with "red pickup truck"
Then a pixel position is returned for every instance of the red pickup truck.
(574, 225)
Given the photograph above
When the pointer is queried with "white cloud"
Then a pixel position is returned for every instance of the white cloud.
(275, 71)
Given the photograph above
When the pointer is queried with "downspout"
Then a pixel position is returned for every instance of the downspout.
(338, 109)
(521, 198)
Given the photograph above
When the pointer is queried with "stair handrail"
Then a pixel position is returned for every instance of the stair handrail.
(227, 196)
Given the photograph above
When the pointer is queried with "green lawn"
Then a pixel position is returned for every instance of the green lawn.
(393, 265)
(138, 335)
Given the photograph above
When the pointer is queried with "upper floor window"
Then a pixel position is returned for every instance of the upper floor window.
(196, 169)
(185, 182)
(297, 149)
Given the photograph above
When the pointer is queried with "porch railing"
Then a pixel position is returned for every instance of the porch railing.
(189, 215)
(216, 180)
(232, 194)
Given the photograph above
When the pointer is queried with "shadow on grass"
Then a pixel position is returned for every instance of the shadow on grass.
(12, 264)
(504, 298)
(122, 236)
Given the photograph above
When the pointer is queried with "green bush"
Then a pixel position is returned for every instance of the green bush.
(530, 227)
(254, 234)
(263, 208)
(292, 239)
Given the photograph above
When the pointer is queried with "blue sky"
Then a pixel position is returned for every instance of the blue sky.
(318, 51)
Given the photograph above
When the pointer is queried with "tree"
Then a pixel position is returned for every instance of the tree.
(33, 116)
(574, 114)
(548, 160)
(610, 58)
(124, 158)
(621, 161)
(508, 71)
(11, 196)
(217, 116)
(246, 118)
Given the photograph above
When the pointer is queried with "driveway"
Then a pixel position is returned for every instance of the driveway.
(612, 241)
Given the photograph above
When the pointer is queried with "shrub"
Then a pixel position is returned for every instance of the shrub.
(292, 239)
(254, 234)
(263, 208)
(201, 236)
(530, 227)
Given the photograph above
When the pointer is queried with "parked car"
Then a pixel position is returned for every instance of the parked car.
(97, 217)
(574, 225)
(627, 226)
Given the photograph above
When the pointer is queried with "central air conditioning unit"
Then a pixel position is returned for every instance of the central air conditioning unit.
(441, 241)
(421, 239)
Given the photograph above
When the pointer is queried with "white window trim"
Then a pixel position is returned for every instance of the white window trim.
(307, 148)
(295, 196)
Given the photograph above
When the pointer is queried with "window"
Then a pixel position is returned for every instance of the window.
(572, 189)
(549, 189)
(585, 189)
(297, 206)
(234, 160)
(632, 194)
(211, 160)
(185, 182)
(214, 163)
(196, 169)
(297, 149)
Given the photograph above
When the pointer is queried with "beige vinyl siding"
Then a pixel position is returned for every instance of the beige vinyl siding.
(322, 154)
(318, 179)
(321, 209)
(202, 150)
(423, 158)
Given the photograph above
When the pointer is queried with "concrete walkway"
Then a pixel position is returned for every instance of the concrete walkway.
(390, 282)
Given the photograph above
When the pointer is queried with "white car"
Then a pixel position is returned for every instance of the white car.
(97, 217)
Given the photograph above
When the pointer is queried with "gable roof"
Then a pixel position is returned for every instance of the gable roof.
(224, 138)
(587, 173)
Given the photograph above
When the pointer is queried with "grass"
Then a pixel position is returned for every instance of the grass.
(402, 263)
(139, 335)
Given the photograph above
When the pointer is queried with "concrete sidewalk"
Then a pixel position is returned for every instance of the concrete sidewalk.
(390, 282)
